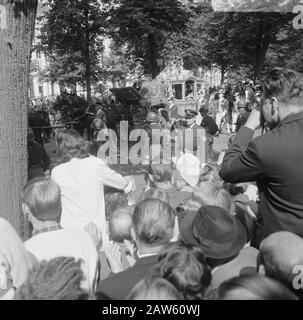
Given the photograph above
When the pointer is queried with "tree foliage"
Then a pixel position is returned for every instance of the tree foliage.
(189, 43)
(251, 35)
(142, 26)
(71, 37)
(117, 64)
(65, 69)
(235, 40)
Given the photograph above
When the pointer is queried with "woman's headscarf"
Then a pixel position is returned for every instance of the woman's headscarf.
(15, 261)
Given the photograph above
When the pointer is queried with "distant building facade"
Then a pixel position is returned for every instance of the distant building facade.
(39, 89)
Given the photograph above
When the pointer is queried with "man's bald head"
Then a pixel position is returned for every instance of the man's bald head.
(280, 253)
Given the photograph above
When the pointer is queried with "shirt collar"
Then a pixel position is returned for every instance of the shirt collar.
(148, 260)
(146, 255)
(47, 229)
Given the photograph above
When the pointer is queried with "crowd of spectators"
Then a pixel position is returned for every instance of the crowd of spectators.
(227, 231)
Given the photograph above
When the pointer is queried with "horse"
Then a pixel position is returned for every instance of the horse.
(72, 109)
(40, 123)
(77, 111)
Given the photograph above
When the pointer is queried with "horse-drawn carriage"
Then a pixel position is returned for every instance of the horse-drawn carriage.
(72, 111)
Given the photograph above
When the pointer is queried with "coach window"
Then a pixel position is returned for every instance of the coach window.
(178, 91)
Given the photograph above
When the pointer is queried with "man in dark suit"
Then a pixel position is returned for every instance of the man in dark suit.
(275, 159)
(153, 228)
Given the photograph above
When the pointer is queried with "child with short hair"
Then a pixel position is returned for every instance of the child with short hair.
(42, 205)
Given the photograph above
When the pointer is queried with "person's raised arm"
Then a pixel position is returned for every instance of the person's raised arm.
(242, 161)
(111, 178)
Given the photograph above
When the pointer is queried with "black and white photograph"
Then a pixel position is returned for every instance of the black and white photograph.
(151, 150)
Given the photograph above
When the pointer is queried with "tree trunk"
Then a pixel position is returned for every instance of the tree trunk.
(261, 51)
(88, 83)
(74, 88)
(16, 33)
(153, 55)
(222, 74)
(87, 56)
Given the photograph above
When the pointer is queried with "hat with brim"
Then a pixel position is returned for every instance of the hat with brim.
(189, 113)
(219, 234)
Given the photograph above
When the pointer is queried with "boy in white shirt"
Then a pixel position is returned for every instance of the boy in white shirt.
(42, 205)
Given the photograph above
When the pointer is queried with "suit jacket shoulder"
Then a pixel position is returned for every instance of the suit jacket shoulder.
(119, 285)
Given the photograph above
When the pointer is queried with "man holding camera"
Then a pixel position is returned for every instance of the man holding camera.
(275, 159)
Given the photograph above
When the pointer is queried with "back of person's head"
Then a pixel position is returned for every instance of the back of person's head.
(254, 287)
(192, 204)
(43, 199)
(98, 124)
(120, 224)
(160, 172)
(210, 172)
(210, 194)
(156, 193)
(57, 279)
(285, 85)
(101, 115)
(184, 266)
(71, 145)
(154, 288)
(114, 199)
(280, 254)
(153, 222)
